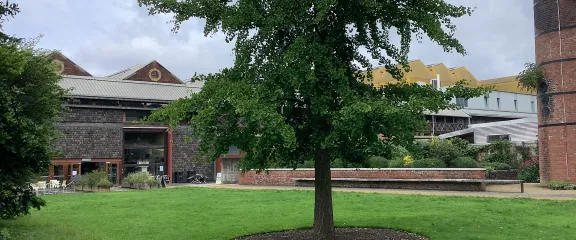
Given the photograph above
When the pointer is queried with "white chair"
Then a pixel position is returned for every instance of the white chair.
(35, 188)
(54, 185)
(41, 186)
(63, 185)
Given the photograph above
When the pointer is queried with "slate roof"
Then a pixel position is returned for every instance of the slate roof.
(108, 88)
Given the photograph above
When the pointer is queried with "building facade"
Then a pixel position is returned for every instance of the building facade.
(100, 129)
(506, 102)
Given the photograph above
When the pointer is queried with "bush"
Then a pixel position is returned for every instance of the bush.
(307, 164)
(502, 152)
(104, 183)
(399, 152)
(4, 234)
(408, 161)
(378, 162)
(396, 163)
(152, 182)
(93, 178)
(464, 162)
(337, 163)
(561, 186)
(429, 163)
(530, 171)
(138, 179)
(445, 150)
(496, 166)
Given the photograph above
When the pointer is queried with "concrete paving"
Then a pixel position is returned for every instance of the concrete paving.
(531, 190)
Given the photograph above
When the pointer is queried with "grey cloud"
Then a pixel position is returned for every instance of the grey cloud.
(108, 35)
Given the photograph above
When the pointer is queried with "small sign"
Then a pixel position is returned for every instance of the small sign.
(218, 178)
(161, 168)
(74, 173)
(86, 159)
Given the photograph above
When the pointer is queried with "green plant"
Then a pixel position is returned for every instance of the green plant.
(4, 234)
(307, 164)
(104, 183)
(531, 77)
(559, 185)
(445, 150)
(152, 182)
(138, 179)
(399, 152)
(396, 163)
(408, 161)
(429, 163)
(496, 166)
(93, 178)
(530, 171)
(464, 162)
(337, 163)
(378, 162)
(502, 152)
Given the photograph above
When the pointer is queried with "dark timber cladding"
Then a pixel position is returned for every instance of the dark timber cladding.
(555, 38)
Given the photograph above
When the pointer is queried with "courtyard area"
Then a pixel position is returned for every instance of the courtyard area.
(211, 213)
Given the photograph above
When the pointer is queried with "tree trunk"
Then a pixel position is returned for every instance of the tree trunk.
(323, 227)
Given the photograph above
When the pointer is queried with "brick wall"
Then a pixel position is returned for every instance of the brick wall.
(92, 115)
(90, 140)
(183, 153)
(284, 177)
(556, 54)
(143, 74)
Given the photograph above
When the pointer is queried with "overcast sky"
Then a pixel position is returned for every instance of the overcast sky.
(105, 36)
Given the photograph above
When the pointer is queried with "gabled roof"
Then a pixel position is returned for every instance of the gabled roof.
(107, 88)
(125, 73)
(57, 55)
(499, 80)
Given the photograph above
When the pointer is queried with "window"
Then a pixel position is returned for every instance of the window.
(532, 106)
(485, 101)
(516, 105)
(434, 83)
(463, 102)
(136, 115)
(494, 138)
(498, 103)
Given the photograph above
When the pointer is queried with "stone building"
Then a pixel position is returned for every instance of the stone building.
(99, 129)
(555, 41)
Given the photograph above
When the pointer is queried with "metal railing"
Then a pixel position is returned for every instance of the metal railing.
(441, 128)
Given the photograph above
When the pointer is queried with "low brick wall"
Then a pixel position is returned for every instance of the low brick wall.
(284, 177)
(503, 174)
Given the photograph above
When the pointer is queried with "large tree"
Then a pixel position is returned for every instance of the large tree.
(30, 102)
(296, 91)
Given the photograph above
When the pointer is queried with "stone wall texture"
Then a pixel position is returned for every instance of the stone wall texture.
(90, 140)
(555, 41)
(183, 153)
(92, 115)
(285, 177)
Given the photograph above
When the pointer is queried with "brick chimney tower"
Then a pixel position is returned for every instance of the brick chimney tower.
(555, 37)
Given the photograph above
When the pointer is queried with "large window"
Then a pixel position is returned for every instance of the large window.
(144, 151)
(136, 115)
(494, 138)
(463, 102)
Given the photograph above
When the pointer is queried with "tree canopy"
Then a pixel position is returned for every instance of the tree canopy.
(30, 103)
(296, 90)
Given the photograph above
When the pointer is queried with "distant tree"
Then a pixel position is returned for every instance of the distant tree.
(297, 92)
(30, 102)
(7, 9)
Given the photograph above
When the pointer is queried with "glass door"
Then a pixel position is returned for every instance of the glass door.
(112, 171)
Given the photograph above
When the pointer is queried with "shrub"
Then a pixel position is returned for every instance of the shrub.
(429, 163)
(337, 163)
(104, 183)
(496, 166)
(530, 171)
(445, 150)
(307, 164)
(399, 152)
(502, 152)
(138, 178)
(93, 178)
(4, 234)
(396, 163)
(152, 182)
(561, 186)
(419, 149)
(464, 162)
(377, 162)
(408, 161)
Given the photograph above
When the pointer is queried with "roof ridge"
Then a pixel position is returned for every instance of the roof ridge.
(133, 68)
(125, 81)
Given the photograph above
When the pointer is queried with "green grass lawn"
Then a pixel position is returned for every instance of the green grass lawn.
(203, 213)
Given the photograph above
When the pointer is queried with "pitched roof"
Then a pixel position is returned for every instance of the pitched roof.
(499, 80)
(107, 88)
(54, 55)
(125, 73)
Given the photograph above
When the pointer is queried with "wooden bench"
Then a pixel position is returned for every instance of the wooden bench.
(416, 184)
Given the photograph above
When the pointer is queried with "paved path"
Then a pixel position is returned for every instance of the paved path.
(531, 190)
